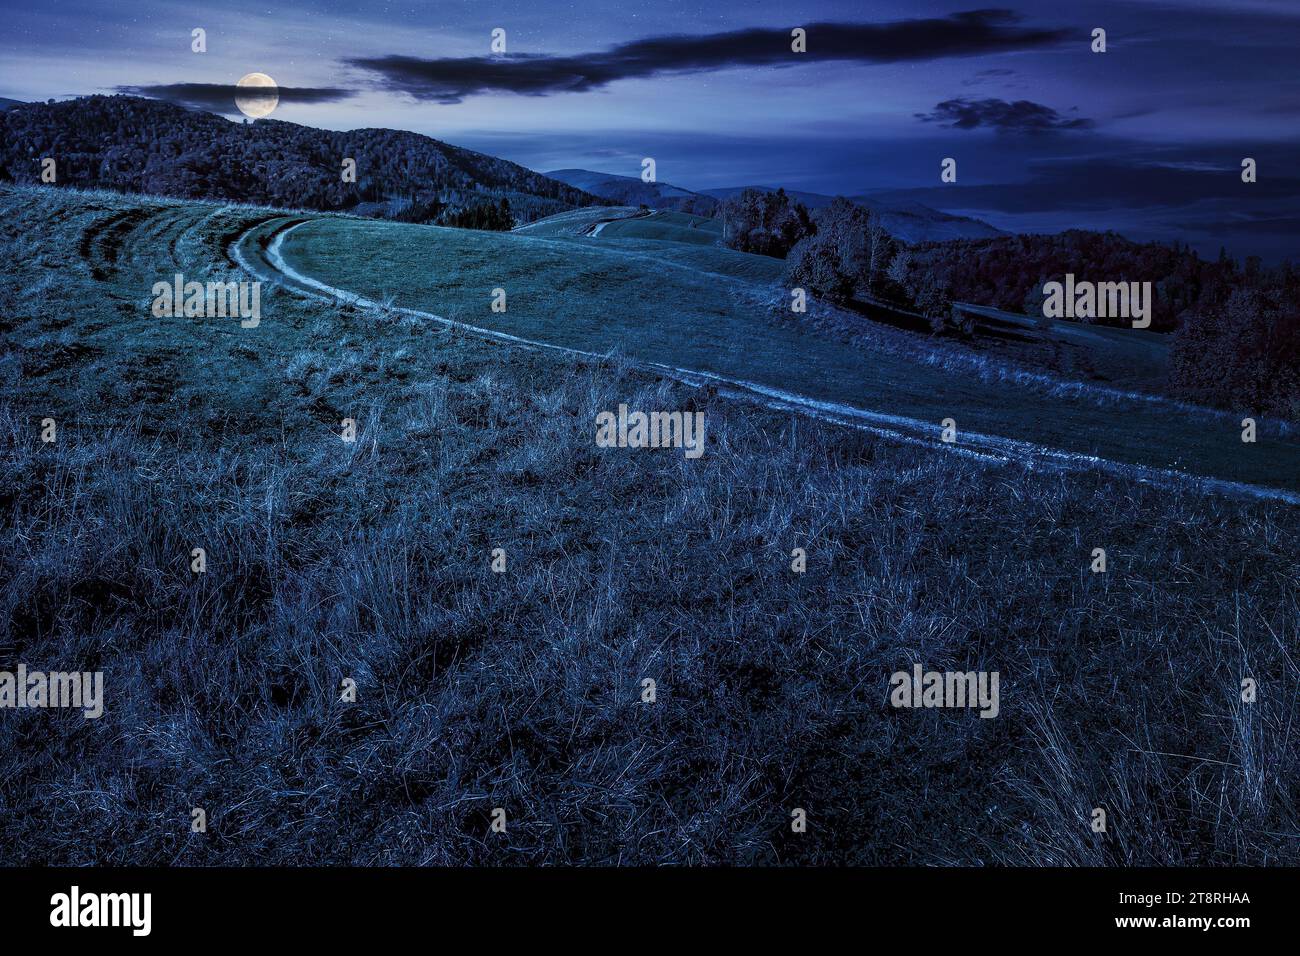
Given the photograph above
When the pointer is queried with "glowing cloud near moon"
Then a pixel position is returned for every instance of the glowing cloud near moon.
(258, 95)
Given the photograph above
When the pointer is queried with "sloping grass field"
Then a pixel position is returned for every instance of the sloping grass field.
(669, 226)
(522, 690)
(719, 311)
(1123, 358)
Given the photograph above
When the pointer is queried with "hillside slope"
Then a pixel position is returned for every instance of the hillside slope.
(522, 689)
(686, 306)
(138, 145)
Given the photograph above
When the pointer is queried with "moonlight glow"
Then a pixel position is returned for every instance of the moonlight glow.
(261, 97)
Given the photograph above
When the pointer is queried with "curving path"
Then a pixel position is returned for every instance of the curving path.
(260, 252)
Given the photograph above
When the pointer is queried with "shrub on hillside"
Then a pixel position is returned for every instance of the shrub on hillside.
(851, 252)
(1243, 354)
(495, 216)
(764, 223)
(417, 209)
(934, 301)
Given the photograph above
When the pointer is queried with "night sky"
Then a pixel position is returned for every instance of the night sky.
(1146, 139)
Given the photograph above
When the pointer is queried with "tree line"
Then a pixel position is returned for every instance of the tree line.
(1234, 327)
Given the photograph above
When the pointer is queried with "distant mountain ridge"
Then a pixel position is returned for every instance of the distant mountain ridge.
(632, 191)
(139, 145)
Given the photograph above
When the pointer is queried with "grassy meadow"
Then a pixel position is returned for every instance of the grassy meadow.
(522, 690)
(713, 310)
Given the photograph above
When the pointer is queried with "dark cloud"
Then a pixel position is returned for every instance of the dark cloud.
(220, 97)
(1022, 116)
(449, 80)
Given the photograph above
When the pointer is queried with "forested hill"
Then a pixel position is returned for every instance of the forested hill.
(133, 144)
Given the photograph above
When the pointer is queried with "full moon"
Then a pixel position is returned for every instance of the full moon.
(260, 96)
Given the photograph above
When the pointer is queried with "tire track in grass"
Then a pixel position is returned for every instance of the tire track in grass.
(101, 242)
(987, 448)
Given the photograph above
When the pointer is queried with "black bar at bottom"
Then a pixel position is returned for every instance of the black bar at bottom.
(338, 905)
